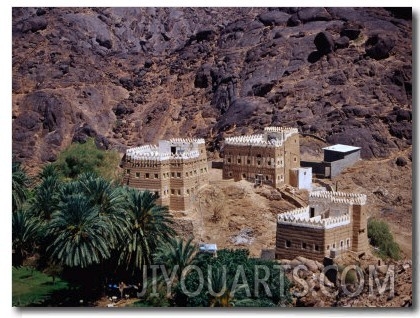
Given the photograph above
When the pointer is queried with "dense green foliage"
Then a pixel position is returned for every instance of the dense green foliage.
(71, 226)
(86, 157)
(91, 232)
(230, 279)
(381, 237)
(31, 287)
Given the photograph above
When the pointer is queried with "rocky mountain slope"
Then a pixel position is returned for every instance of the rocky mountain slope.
(133, 75)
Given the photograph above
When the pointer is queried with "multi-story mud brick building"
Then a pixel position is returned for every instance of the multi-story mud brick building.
(263, 158)
(333, 223)
(174, 169)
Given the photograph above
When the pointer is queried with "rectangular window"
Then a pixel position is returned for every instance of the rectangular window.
(179, 192)
(147, 176)
(304, 245)
(348, 242)
(137, 175)
(186, 174)
(269, 163)
(228, 160)
(258, 162)
(201, 170)
(266, 178)
(316, 247)
(312, 212)
(157, 193)
(127, 171)
(156, 176)
(178, 174)
(239, 160)
(173, 174)
(172, 191)
(288, 243)
(248, 161)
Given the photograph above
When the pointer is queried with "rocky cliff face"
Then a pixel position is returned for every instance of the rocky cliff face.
(133, 75)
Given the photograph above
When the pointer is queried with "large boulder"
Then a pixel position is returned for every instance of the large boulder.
(401, 161)
(324, 42)
(378, 47)
(34, 24)
(274, 18)
(313, 14)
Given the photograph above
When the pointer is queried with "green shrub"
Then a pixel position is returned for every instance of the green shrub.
(381, 237)
(79, 158)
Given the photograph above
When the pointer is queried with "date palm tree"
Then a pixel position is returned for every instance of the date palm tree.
(150, 224)
(79, 234)
(20, 184)
(176, 254)
(25, 234)
(46, 194)
(111, 203)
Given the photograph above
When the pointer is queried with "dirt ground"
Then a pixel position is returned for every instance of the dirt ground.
(235, 214)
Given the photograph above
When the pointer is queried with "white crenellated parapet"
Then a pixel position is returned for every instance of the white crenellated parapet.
(338, 197)
(296, 213)
(247, 140)
(186, 140)
(261, 139)
(281, 129)
(336, 221)
(151, 152)
(253, 140)
(300, 217)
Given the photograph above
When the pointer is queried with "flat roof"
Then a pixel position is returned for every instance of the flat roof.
(341, 148)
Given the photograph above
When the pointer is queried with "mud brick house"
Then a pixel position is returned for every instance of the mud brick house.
(333, 223)
(174, 169)
(262, 158)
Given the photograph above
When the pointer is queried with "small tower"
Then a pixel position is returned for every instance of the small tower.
(359, 223)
